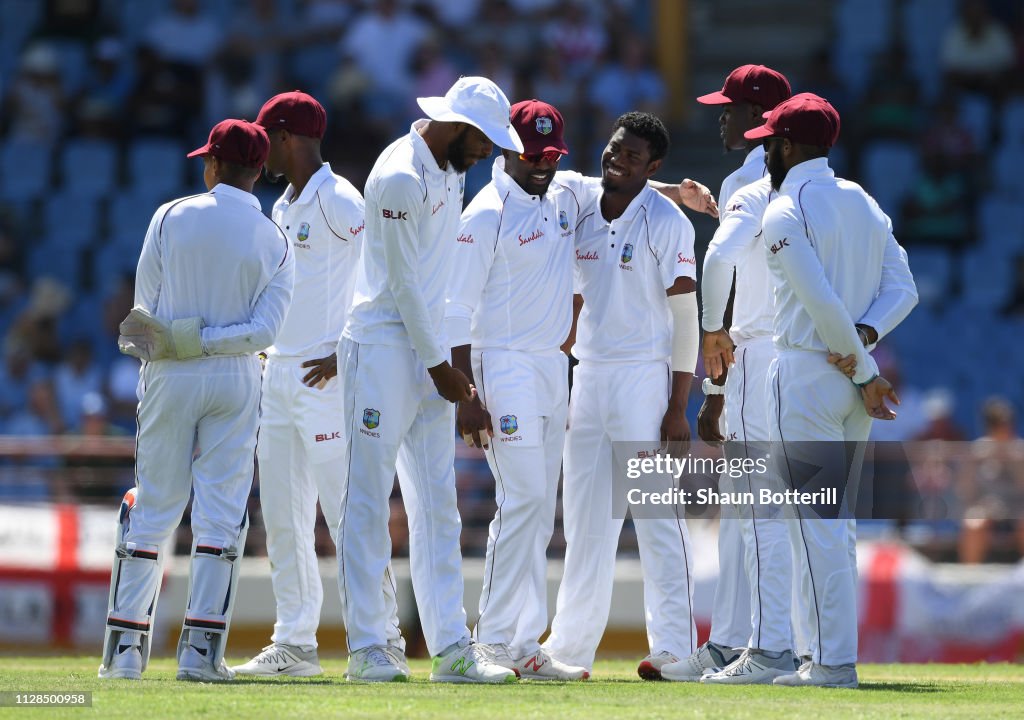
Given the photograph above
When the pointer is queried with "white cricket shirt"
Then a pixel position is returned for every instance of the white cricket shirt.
(827, 242)
(511, 284)
(623, 269)
(737, 246)
(325, 226)
(412, 220)
(752, 170)
(217, 257)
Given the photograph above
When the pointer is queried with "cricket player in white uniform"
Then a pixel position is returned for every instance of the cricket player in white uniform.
(827, 242)
(753, 594)
(213, 286)
(399, 387)
(301, 437)
(509, 310)
(636, 341)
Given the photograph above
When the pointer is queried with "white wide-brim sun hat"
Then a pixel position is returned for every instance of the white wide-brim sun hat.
(482, 104)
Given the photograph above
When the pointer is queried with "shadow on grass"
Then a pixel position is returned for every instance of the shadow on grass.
(906, 687)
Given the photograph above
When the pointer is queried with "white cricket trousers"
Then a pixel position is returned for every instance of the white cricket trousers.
(614, 402)
(753, 598)
(300, 448)
(527, 395)
(815, 411)
(197, 432)
(394, 419)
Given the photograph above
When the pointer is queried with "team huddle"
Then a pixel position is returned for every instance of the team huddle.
(394, 322)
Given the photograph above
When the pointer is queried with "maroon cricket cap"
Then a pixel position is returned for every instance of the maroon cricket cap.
(805, 118)
(237, 141)
(755, 84)
(539, 126)
(295, 112)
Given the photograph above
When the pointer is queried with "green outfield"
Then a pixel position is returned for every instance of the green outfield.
(887, 691)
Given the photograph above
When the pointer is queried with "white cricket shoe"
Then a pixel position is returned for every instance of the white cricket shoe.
(470, 663)
(710, 657)
(398, 655)
(501, 655)
(650, 667)
(193, 665)
(752, 668)
(376, 664)
(540, 665)
(126, 665)
(814, 674)
(279, 659)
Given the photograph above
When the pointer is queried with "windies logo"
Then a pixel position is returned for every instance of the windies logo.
(371, 418)
(627, 252)
(544, 125)
(509, 424)
(303, 235)
(563, 220)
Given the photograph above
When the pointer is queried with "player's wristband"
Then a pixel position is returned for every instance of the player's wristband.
(867, 382)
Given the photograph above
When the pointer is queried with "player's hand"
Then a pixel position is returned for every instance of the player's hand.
(718, 352)
(144, 336)
(675, 430)
(451, 383)
(874, 395)
(846, 365)
(708, 417)
(473, 423)
(322, 370)
(698, 197)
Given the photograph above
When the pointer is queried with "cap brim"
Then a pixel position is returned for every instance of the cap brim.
(762, 131)
(437, 109)
(715, 98)
(199, 152)
(546, 147)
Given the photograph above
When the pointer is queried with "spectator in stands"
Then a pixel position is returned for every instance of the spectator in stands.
(432, 73)
(16, 375)
(382, 43)
(36, 100)
(939, 405)
(626, 81)
(992, 485)
(940, 208)
(185, 34)
(891, 109)
(108, 78)
(514, 35)
(1014, 307)
(948, 136)
(978, 51)
(36, 325)
(577, 37)
(76, 377)
(40, 416)
(167, 97)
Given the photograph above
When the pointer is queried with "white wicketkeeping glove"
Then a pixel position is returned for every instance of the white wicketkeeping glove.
(149, 338)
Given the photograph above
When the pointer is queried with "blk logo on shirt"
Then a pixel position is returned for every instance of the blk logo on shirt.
(784, 242)
(395, 214)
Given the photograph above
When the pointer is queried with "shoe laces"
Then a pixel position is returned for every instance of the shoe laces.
(481, 652)
(740, 666)
(378, 656)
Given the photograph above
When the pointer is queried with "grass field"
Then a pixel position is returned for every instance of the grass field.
(887, 691)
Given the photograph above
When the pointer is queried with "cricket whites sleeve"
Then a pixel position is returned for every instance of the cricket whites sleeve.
(149, 272)
(897, 292)
(471, 265)
(732, 241)
(267, 316)
(402, 198)
(785, 237)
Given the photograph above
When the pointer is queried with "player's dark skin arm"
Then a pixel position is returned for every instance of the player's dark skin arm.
(321, 370)
(471, 418)
(710, 413)
(674, 426)
(577, 305)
